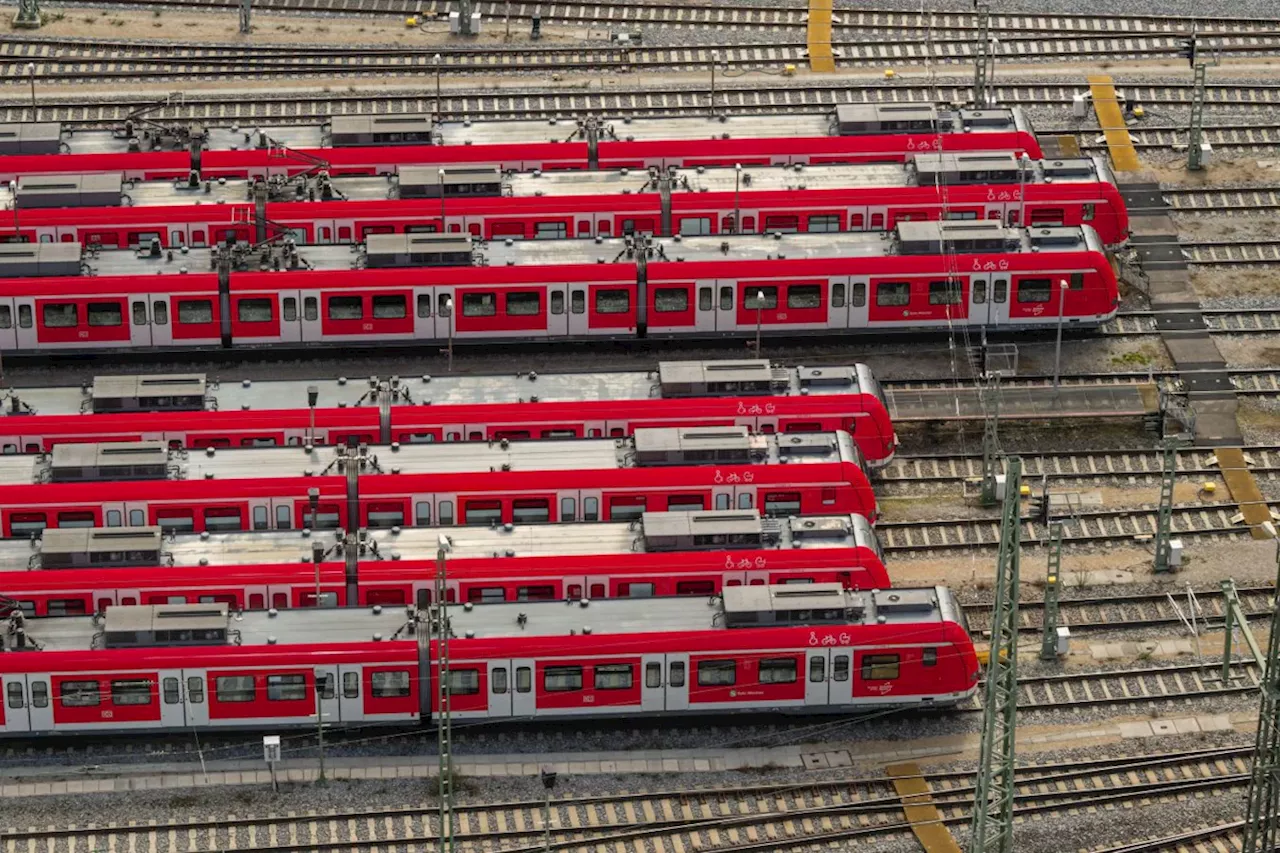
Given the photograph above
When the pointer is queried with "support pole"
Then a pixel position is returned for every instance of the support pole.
(28, 17)
(1262, 816)
(983, 57)
(464, 18)
(1164, 517)
(989, 392)
(1235, 620)
(444, 719)
(1049, 639)
(1195, 136)
(246, 10)
(993, 794)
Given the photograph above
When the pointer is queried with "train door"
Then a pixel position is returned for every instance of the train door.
(104, 598)
(16, 712)
(347, 690)
(195, 698)
(8, 326)
(500, 688)
(161, 320)
(25, 323)
(840, 676)
(653, 690)
(292, 311)
(524, 695)
(327, 685)
(139, 322)
(557, 310)
(817, 671)
(40, 711)
(446, 314)
(124, 514)
(859, 316)
(424, 313)
(171, 714)
(705, 316)
(677, 682)
(308, 322)
(579, 319)
(838, 303)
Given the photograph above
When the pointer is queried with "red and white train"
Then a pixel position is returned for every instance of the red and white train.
(378, 145)
(83, 571)
(191, 411)
(126, 484)
(801, 649)
(490, 205)
(414, 288)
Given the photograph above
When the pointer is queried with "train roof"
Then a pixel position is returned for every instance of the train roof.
(672, 380)
(647, 448)
(211, 625)
(654, 532)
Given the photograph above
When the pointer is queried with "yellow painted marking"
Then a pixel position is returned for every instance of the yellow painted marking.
(917, 806)
(1068, 146)
(1106, 105)
(819, 36)
(1244, 489)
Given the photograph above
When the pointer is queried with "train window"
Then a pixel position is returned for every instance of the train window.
(778, 671)
(837, 295)
(260, 519)
(486, 595)
(424, 304)
(289, 309)
(590, 509)
(195, 689)
(115, 518)
(635, 590)
(498, 680)
(695, 226)
(717, 673)
(218, 519)
(66, 607)
(80, 694)
(6, 317)
(695, 588)
(1001, 291)
(1077, 281)
(961, 215)
(751, 298)
(446, 513)
(1034, 290)
(671, 300)
(704, 299)
(524, 679)
(817, 668)
(462, 682)
(557, 302)
(390, 307)
(195, 311)
(726, 298)
(283, 521)
(76, 519)
(675, 674)
(23, 523)
(176, 520)
(386, 515)
(139, 313)
(944, 293)
(60, 315)
(482, 513)
(879, 667)
(350, 685)
(39, 694)
(558, 433)
(27, 607)
(1047, 216)
(160, 312)
(804, 426)
(744, 500)
(577, 302)
(612, 300)
(568, 509)
(625, 508)
(979, 292)
(686, 502)
(824, 223)
(786, 224)
(804, 296)
(653, 675)
(1087, 212)
(422, 512)
(782, 503)
(254, 310)
(893, 294)
(310, 308)
(110, 314)
(143, 238)
(856, 222)
(170, 689)
(633, 226)
(877, 222)
(393, 684)
(562, 679)
(131, 692)
(234, 688)
(531, 511)
(326, 685)
(840, 668)
(286, 688)
(345, 308)
(929, 657)
(14, 692)
(614, 676)
(479, 304)
(542, 592)
(524, 303)
(550, 231)
(723, 500)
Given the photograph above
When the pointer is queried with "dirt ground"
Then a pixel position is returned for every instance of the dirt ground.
(1219, 283)
(1243, 169)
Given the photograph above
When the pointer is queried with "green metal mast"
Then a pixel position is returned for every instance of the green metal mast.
(28, 17)
(444, 719)
(1053, 580)
(1263, 814)
(989, 397)
(993, 797)
(983, 58)
(1164, 516)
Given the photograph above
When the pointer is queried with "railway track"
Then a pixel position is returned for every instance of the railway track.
(1219, 200)
(730, 818)
(534, 102)
(1225, 321)
(95, 60)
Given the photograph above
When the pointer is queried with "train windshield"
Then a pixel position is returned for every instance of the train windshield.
(869, 383)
